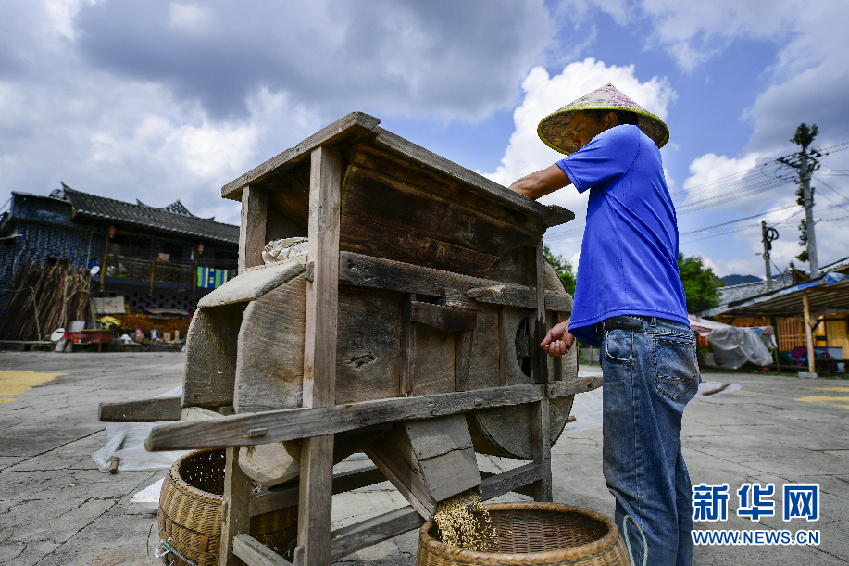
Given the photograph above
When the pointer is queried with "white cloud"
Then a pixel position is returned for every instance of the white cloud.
(190, 18)
(163, 100)
(809, 81)
(544, 94)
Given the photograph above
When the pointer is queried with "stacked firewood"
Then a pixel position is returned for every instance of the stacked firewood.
(43, 298)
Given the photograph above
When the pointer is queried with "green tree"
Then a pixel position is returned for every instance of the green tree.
(564, 269)
(700, 284)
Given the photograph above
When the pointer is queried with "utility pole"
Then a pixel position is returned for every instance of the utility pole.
(805, 163)
(809, 212)
(769, 236)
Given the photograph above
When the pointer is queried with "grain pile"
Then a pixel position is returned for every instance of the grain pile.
(464, 522)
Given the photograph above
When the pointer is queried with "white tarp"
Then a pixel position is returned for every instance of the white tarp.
(733, 346)
(126, 441)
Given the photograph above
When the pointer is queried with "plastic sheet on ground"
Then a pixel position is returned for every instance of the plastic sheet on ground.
(733, 346)
(126, 441)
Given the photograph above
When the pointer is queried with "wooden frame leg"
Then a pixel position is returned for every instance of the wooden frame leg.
(541, 438)
(235, 508)
(315, 500)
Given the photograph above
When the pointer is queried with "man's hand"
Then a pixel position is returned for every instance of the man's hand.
(558, 340)
(541, 183)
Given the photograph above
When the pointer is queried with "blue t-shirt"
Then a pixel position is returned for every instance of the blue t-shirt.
(629, 254)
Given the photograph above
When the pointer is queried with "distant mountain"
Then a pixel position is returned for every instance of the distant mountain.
(738, 279)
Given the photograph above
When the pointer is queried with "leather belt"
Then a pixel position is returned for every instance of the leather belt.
(630, 322)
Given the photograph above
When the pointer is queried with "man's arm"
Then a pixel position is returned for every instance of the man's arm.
(541, 183)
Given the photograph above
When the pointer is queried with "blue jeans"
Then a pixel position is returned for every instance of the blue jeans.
(650, 374)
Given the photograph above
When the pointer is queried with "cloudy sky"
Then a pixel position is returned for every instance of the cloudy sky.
(161, 100)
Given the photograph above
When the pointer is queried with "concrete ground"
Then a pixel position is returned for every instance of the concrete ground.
(57, 508)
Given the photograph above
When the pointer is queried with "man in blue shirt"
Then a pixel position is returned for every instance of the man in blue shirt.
(629, 301)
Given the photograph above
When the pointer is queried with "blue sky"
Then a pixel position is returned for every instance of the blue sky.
(162, 100)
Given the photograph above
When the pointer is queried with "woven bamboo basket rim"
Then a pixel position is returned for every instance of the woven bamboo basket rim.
(190, 490)
(588, 550)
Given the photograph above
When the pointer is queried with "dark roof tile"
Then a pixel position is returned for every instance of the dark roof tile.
(174, 218)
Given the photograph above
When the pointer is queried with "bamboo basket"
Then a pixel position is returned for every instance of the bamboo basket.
(189, 514)
(530, 534)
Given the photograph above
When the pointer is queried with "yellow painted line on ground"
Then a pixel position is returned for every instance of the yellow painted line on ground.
(834, 389)
(821, 398)
(16, 382)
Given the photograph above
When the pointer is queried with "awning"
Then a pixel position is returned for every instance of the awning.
(827, 295)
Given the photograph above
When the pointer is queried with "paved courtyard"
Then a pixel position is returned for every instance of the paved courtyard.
(56, 507)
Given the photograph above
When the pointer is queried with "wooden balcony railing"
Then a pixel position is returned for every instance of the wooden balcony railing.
(155, 271)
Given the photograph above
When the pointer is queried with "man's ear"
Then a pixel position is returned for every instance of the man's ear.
(610, 120)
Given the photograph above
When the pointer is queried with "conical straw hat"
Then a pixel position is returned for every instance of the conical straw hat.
(554, 130)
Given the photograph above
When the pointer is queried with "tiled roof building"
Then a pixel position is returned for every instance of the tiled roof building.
(148, 255)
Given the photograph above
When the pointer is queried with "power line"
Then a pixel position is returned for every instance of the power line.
(738, 220)
(744, 184)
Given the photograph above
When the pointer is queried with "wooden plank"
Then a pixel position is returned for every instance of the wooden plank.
(538, 355)
(428, 460)
(386, 274)
(408, 347)
(345, 129)
(434, 371)
(430, 438)
(410, 485)
(484, 351)
(521, 296)
(235, 507)
(451, 473)
(557, 302)
(322, 297)
(557, 363)
(389, 275)
(254, 283)
(374, 239)
(463, 340)
(211, 350)
(435, 182)
(323, 292)
(254, 553)
(368, 364)
(504, 294)
(497, 485)
(573, 386)
(270, 365)
(314, 499)
(281, 497)
(290, 424)
(472, 180)
(541, 448)
(378, 198)
(448, 319)
(505, 365)
(354, 537)
(252, 227)
(141, 410)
